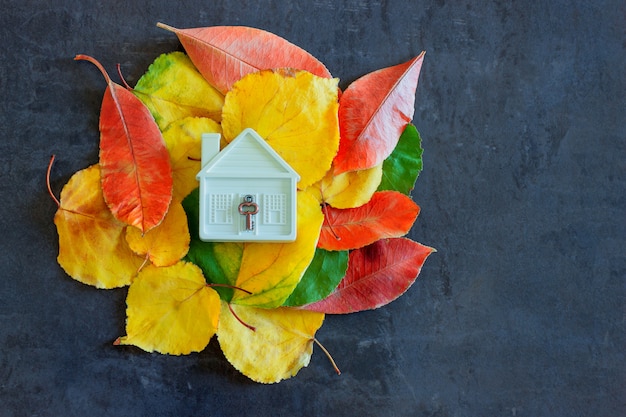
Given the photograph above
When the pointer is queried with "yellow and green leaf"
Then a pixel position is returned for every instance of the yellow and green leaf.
(173, 89)
(271, 271)
(321, 277)
(219, 261)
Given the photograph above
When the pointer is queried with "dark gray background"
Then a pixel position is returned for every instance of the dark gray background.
(520, 312)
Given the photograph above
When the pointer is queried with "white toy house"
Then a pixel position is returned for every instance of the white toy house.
(247, 191)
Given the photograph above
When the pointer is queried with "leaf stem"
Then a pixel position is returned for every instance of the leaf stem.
(145, 261)
(82, 57)
(327, 221)
(330, 358)
(166, 27)
(212, 284)
(239, 319)
(119, 72)
(56, 200)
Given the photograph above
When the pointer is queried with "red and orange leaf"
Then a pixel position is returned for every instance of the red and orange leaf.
(387, 214)
(224, 54)
(92, 248)
(373, 112)
(377, 274)
(134, 162)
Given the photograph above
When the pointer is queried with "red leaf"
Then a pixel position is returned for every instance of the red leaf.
(373, 112)
(377, 274)
(134, 162)
(224, 54)
(387, 214)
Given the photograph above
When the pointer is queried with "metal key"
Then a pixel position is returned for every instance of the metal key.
(248, 208)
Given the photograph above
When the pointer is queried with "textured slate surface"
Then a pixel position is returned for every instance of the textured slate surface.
(520, 313)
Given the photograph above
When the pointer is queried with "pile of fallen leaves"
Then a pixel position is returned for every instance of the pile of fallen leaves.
(132, 219)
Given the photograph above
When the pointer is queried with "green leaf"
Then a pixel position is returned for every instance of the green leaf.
(219, 261)
(173, 89)
(321, 277)
(402, 167)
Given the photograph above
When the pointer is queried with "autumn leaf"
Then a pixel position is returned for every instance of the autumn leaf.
(224, 54)
(347, 190)
(373, 112)
(294, 111)
(271, 271)
(173, 89)
(377, 274)
(170, 310)
(387, 214)
(92, 248)
(183, 139)
(402, 167)
(219, 261)
(278, 347)
(134, 163)
(320, 278)
(165, 244)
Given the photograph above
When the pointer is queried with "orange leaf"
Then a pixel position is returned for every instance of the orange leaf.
(373, 112)
(92, 248)
(134, 162)
(377, 275)
(224, 54)
(387, 214)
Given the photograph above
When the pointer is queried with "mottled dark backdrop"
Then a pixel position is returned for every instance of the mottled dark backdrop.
(521, 106)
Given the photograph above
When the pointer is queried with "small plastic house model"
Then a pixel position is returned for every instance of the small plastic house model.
(247, 191)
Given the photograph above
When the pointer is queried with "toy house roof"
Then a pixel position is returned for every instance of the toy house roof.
(248, 155)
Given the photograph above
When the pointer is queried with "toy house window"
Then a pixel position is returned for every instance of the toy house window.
(274, 209)
(221, 208)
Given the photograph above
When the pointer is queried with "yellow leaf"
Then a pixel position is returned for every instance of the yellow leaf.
(349, 189)
(183, 140)
(171, 310)
(173, 89)
(166, 243)
(92, 248)
(280, 345)
(294, 111)
(271, 271)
